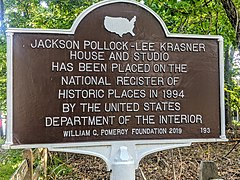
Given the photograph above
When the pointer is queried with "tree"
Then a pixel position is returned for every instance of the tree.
(52, 14)
(232, 8)
(214, 17)
(233, 13)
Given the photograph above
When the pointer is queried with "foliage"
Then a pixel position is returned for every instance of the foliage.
(236, 123)
(9, 162)
(234, 97)
(57, 165)
(203, 17)
(53, 14)
(3, 73)
(194, 17)
(186, 17)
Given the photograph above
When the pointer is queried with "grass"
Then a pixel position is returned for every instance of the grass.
(9, 161)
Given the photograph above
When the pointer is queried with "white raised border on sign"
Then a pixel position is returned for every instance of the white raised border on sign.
(112, 152)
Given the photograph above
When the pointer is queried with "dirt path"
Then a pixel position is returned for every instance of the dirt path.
(178, 164)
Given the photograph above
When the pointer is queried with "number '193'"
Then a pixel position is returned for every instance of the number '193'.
(205, 130)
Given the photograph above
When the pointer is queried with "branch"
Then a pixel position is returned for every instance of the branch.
(233, 16)
(232, 149)
(231, 11)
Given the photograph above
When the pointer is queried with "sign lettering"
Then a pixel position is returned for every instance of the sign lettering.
(112, 77)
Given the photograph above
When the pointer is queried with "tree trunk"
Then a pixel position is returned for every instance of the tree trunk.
(227, 80)
(234, 17)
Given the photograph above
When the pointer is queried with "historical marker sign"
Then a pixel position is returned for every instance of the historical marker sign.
(117, 74)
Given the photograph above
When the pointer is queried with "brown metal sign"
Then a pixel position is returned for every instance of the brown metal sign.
(117, 74)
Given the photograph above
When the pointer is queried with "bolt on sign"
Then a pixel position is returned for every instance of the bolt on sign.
(116, 75)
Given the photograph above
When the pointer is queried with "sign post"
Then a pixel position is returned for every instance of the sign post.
(116, 85)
